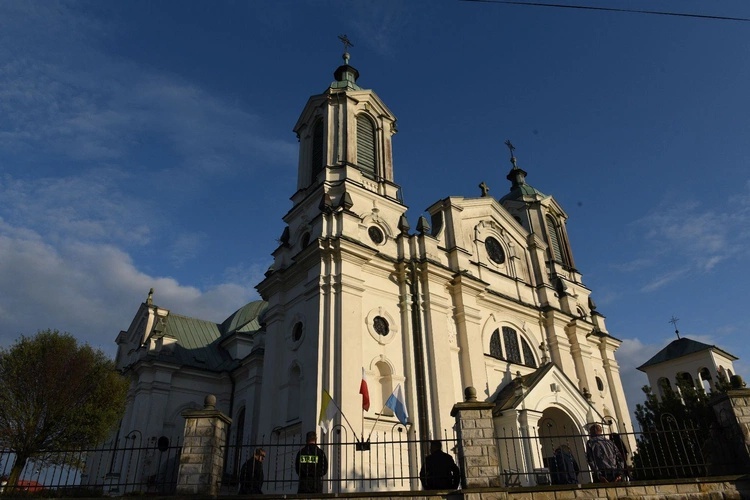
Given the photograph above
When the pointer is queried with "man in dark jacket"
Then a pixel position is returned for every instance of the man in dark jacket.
(251, 473)
(606, 463)
(311, 465)
(565, 470)
(439, 471)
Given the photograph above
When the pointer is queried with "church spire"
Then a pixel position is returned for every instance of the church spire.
(517, 176)
(345, 75)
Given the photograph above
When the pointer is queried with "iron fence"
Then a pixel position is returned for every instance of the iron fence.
(669, 450)
(386, 460)
(124, 466)
(383, 461)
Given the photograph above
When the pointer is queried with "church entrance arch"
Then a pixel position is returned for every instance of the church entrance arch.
(557, 429)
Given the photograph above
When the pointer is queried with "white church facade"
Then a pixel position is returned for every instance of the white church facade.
(485, 293)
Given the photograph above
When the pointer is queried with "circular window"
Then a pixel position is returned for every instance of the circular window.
(297, 331)
(305, 240)
(494, 250)
(599, 384)
(376, 235)
(380, 325)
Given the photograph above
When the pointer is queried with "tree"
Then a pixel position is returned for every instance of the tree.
(675, 431)
(56, 395)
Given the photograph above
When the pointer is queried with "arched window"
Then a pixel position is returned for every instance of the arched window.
(496, 350)
(385, 384)
(528, 354)
(684, 379)
(554, 240)
(292, 394)
(664, 386)
(706, 380)
(239, 435)
(317, 149)
(512, 349)
(366, 146)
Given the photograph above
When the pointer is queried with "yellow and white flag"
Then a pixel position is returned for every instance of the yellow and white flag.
(328, 410)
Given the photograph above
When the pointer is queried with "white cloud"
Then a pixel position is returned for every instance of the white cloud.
(91, 290)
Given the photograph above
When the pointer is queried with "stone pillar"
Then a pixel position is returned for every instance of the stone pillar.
(733, 414)
(202, 458)
(477, 447)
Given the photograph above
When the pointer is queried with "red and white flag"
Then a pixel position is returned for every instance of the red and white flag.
(365, 392)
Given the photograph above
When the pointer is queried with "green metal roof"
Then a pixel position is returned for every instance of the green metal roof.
(679, 348)
(196, 345)
(245, 319)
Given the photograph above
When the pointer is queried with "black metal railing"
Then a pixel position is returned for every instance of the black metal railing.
(667, 451)
(385, 460)
(121, 467)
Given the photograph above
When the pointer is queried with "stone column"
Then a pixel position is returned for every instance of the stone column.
(202, 458)
(477, 447)
(732, 438)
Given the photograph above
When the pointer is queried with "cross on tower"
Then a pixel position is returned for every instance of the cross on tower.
(485, 188)
(511, 147)
(347, 43)
(674, 322)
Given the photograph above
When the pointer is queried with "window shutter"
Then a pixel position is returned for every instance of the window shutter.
(554, 240)
(366, 146)
(317, 150)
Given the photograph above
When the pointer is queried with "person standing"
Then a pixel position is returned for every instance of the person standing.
(439, 471)
(566, 467)
(311, 465)
(604, 458)
(251, 473)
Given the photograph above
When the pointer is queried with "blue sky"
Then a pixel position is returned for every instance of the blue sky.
(149, 144)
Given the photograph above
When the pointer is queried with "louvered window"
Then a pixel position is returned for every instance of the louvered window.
(554, 240)
(496, 350)
(317, 149)
(511, 345)
(366, 146)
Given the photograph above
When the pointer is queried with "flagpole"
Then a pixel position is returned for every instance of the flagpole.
(346, 419)
(375, 423)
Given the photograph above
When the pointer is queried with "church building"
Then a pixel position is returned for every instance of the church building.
(485, 293)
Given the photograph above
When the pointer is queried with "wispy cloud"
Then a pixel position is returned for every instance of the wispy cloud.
(687, 237)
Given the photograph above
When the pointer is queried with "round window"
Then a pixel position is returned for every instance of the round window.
(305, 240)
(599, 384)
(494, 250)
(297, 331)
(380, 325)
(376, 235)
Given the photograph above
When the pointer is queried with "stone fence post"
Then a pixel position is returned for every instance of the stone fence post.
(733, 413)
(202, 458)
(477, 447)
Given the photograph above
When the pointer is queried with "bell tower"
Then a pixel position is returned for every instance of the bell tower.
(346, 126)
(335, 291)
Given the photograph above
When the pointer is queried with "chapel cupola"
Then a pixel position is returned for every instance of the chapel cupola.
(539, 214)
(345, 132)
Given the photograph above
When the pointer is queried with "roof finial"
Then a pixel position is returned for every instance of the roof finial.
(347, 43)
(150, 298)
(512, 148)
(485, 189)
(674, 322)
